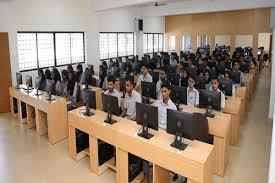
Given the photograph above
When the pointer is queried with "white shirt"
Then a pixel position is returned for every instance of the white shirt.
(193, 97)
(146, 78)
(158, 88)
(130, 104)
(114, 93)
(222, 97)
(162, 111)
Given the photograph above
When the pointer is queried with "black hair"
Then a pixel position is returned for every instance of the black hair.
(79, 68)
(56, 75)
(65, 76)
(111, 78)
(70, 68)
(41, 74)
(130, 79)
(166, 85)
(48, 74)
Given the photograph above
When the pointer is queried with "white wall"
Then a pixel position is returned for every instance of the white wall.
(272, 158)
(40, 15)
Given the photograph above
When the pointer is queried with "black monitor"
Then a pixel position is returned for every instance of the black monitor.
(227, 87)
(148, 90)
(19, 80)
(147, 116)
(50, 89)
(181, 125)
(110, 105)
(210, 100)
(173, 79)
(236, 77)
(179, 95)
(155, 76)
(89, 101)
(28, 81)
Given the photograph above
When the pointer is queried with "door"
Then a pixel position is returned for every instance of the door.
(5, 73)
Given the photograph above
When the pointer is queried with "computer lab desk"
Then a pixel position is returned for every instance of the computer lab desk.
(48, 117)
(220, 128)
(195, 162)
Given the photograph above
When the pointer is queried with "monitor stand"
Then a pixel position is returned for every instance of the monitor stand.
(145, 132)
(50, 98)
(209, 113)
(37, 93)
(179, 143)
(109, 119)
(88, 112)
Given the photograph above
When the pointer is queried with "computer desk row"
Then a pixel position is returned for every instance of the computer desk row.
(48, 117)
(195, 162)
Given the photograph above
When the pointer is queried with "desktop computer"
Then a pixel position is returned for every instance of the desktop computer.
(147, 116)
(110, 105)
(148, 90)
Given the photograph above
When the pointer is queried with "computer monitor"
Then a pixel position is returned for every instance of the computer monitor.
(36, 86)
(89, 101)
(179, 95)
(173, 79)
(148, 90)
(28, 81)
(181, 125)
(19, 80)
(210, 100)
(50, 89)
(236, 77)
(110, 105)
(226, 87)
(147, 116)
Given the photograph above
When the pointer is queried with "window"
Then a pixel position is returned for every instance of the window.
(186, 43)
(203, 40)
(116, 44)
(172, 43)
(48, 49)
(152, 42)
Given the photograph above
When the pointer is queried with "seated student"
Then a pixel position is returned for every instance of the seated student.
(163, 104)
(162, 78)
(215, 87)
(131, 98)
(111, 89)
(173, 61)
(193, 96)
(236, 69)
(49, 80)
(145, 76)
(79, 71)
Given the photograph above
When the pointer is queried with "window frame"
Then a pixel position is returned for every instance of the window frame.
(117, 54)
(54, 45)
(158, 48)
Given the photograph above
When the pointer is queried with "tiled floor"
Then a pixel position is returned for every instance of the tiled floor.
(26, 157)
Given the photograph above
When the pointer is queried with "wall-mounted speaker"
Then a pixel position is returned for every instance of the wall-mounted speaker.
(140, 24)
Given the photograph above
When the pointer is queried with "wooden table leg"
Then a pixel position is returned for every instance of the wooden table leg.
(30, 117)
(72, 142)
(160, 175)
(122, 166)
(41, 122)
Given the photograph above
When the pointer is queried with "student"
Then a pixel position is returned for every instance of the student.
(131, 98)
(183, 78)
(193, 96)
(62, 88)
(173, 61)
(162, 78)
(111, 89)
(215, 87)
(163, 104)
(236, 69)
(145, 76)
(55, 75)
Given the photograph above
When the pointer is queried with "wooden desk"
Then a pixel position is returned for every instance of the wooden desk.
(220, 128)
(49, 117)
(195, 161)
(233, 106)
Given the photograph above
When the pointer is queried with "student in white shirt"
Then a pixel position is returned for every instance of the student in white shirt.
(131, 98)
(145, 76)
(193, 96)
(162, 78)
(215, 87)
(163, 104)
(111, 89)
